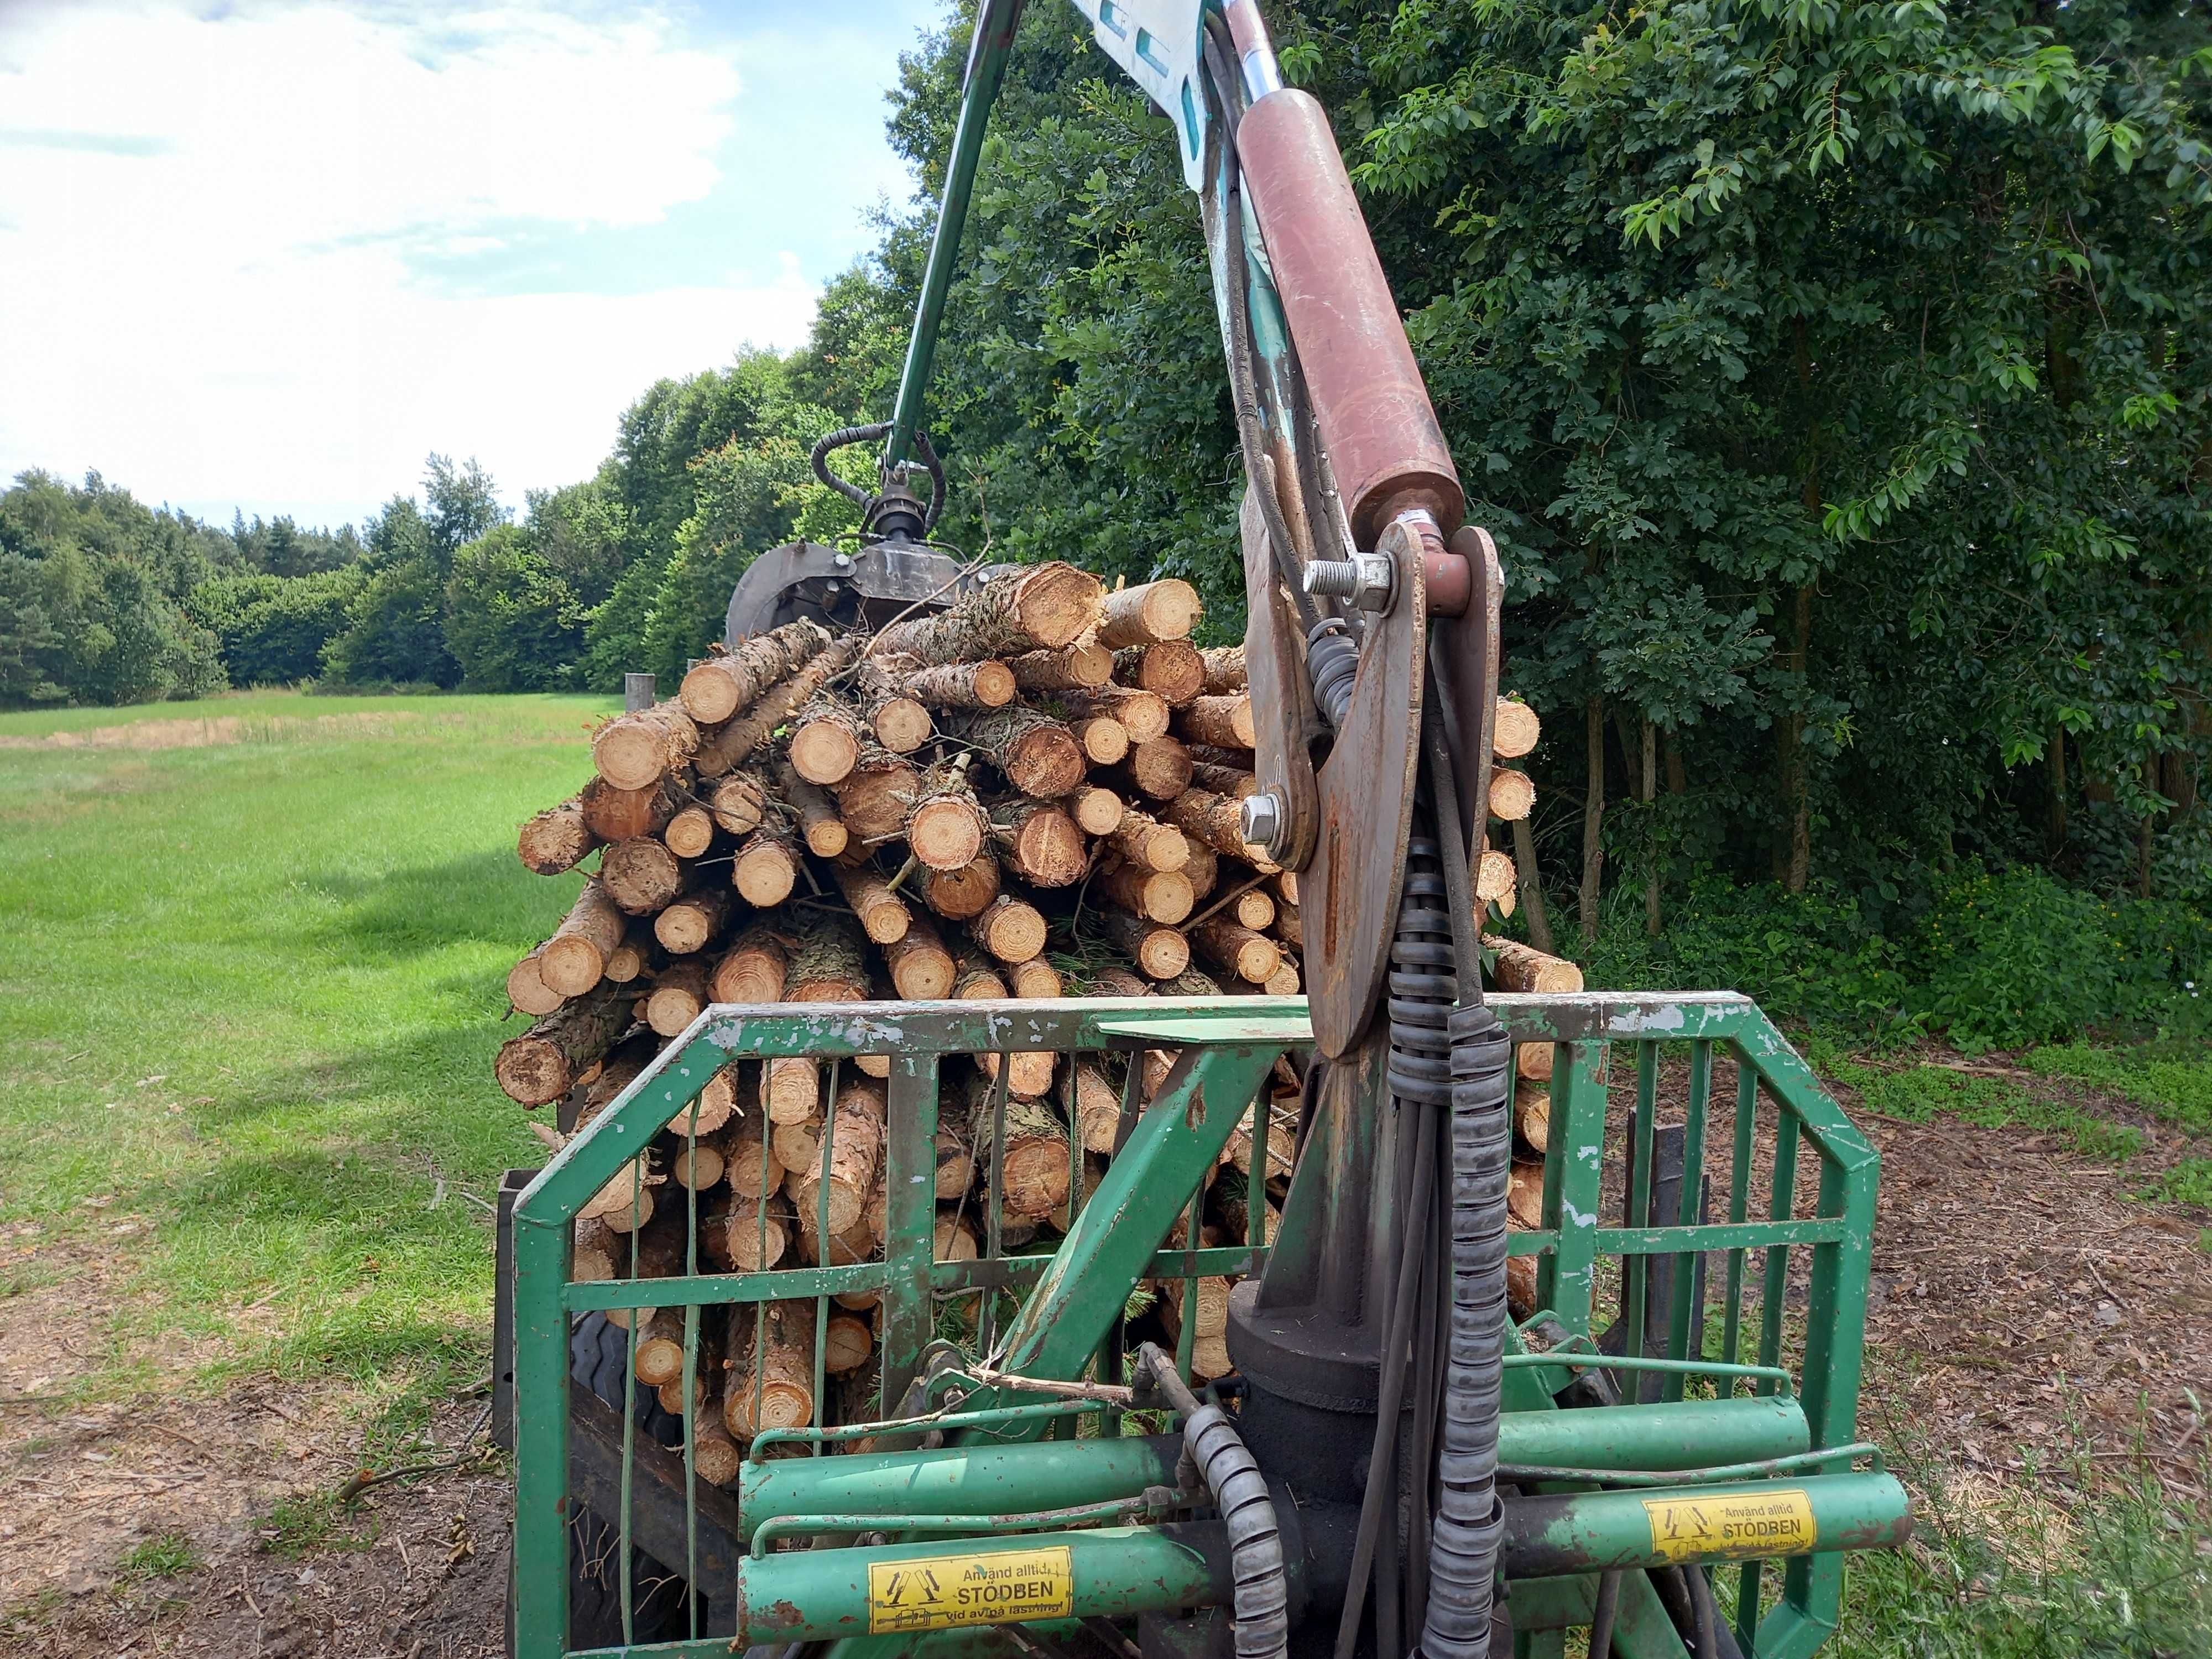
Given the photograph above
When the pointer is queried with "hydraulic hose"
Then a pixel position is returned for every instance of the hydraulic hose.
(1262, 1599)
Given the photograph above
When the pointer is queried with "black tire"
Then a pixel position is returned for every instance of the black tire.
(599, 1357)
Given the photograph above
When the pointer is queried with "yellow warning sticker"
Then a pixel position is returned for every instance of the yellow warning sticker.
(1731, 1527)
(942, 1592)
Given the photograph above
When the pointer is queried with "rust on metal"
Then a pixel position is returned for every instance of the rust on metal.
(1282, 696)
(1466, 689)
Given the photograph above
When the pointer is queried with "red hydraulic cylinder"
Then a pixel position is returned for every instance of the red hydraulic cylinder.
(1373, 410)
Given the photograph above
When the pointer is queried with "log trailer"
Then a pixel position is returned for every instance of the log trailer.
(1663, 1454)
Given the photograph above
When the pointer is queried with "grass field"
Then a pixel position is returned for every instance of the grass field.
(251, 987)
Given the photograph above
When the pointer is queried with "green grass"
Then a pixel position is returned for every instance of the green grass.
(2170, 1079)
(307, 1522)
(252, 994)
(1918, 1094)
(168, 1555)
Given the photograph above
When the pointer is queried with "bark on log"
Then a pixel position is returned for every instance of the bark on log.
(1172, 669)
(1150, 613)
(920, 966)
(956, 894)
(945, 826)
(1098, 810)
(955, 1162)
(1290, 926)
(741, 738)
(1524, 1197)
(543, 1063)
(824, 833)
(744, 1235)
(1034, 979)
(718, 687)
(825, 741)
(771, 1374)
(1149, 844)
(1252, 908)
(856, 1151)
(1230, 781)
(571, 962)
(1159, 767)
(1215, 821)
(1012, 929)
(1037, 754)
(1032, 1178)
(1077, 667)
(1090, 1098)
(1143, 715)
(1159, 952)
(1104, 739)
(883, 914)
(829, 963)
(1038, 607)
(766, 867)
(738, 802)
(556, 839)
(1532, 1115)
(1160, 896)
(902, 724)
(749, 1160)
(1494, 877)
(633, 751)
(1204, 871)
(613, 814)
(591, 1255)
(955, 1237)
(660, 1348)
(679, 991)
(874, 799)
(1249, 955)
(1115, 980)
(1534, 1060)
(961, 688)
(690, 833)
(1224, 722)
(696, 1165)
(753, 969)
(692, 921)
(527, 992)
(1523, 967)
(1043, 844)
(640, 874)
(1514, 730)
(1224, 670)
(714, 1455)
(1511, 793)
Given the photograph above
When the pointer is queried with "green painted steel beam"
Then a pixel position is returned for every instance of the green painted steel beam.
(1688, 1435)
(1555, 1535)
(984, 1480)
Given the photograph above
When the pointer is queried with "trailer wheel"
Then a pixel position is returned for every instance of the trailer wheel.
(599, 1357)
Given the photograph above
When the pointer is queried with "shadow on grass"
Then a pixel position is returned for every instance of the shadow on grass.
(485, 897)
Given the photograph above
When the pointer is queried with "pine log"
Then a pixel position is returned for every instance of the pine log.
(1204, 871)
(753, 969)
(741, 738)
(956, 894)
(690, 833)
(571, 962)
(1494, 877)
(634, 751)
(1098, 810)
(640, 874)
(712, 1109)
(1094, 1173)
(1521, 1285)
(1043, 844)
(1191, 982)
(1161, 895)
(738, 802)
(1229, 780)
(1150, 613)
(527, 992)
(1534, 1060)
(696, 1165)
(829, 962)
(1252, 908)
(1172, 669)
(1282, 1144)
(1224, 670)
(874, 799)
(945, 826)
(1090, 1098)
(1011, 929)
(1285, 882)
(1032, 1175)
(659, 1348)
(1511, 793)
(846, 1343)
(592, 1256)
(1523, 967)
(1514, 730)
(1214, 820)
(771, 1376)
(1524, 1197)
(1037, 608)
(679, 991)
(1104, 739)
(1290, 926)
(1149, 844)
(749, 1160)
(955, 1237)
(543, 1063)
(1038, 756)
(1159, 952)
(1159, 767)
(921, 967)
(1078, 667)
(883, 914)
(1114, 980)
(1284, 981)
(556, 839)
(825, 741)
(1035, 979)
(1532, 1115)
(955, 1162)
(824, 833)
(1251, 956)
(625, 1204)
(715, 1456)
(766, 867)
(725, 683)
(797, 1143)
(613, 814)
(743, 1234)
(687, 924)
(1143, 715)
(901, 723)
(615, 1072)
(961, 688)
(856, 1151)
(845, 1248)
(1224, 722)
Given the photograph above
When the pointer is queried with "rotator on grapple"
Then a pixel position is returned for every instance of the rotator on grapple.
(1399, 1475)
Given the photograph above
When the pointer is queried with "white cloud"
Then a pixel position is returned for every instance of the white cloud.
(209, 233)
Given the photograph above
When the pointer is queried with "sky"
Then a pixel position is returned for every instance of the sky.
(267, 257)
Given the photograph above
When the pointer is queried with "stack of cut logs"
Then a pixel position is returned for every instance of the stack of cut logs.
(1033, 793)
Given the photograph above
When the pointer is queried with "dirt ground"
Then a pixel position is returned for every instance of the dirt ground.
(2022, 1304)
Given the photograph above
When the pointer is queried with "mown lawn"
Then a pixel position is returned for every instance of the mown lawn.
(250, 993)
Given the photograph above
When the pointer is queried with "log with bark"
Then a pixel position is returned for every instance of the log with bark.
(855, 1148)
(961, 688)
(1150, 613)
(613, 814)
(753, 968)
(766, 867)
(1532, 1114)
(634, 751)
(527, 992)
(1224, 722)
(1037, 754)
(1523, 967)
(825, 740)
(920, 965)
(1031, 1177)
(1043, 844)
(1143, 715)
(679, 991)
(770, 1371)
(874, 798)
(1224, 670)
(1160, 896)
(1158, 768)
(1035, 979)
(1230, 781)
(945, 825)
(883, 914)
(1091, 1098)
(1172, 669)
(1159, 952)
(571, 962)
(745, 736)
(956, 894)
(1231, 946)
(901, 723)
(1033, 608)
(544, 1062)
(738, 801)
(1078, 667)
(690, 833)
(825, 834)
(1010, 928)
(1216, 821)
(1147, 843)
(640, 874)
(1511, 793)
(1534, 1060)
(1514, 730)
(690, 923)
(1104, 740)
(556, 839)
(729, 680)
(1097, 809)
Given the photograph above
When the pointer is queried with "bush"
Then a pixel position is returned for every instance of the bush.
(395, 630)
(273, 629)
(511, 620)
